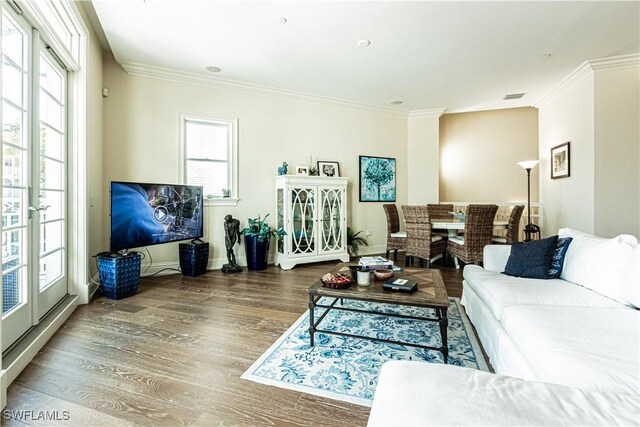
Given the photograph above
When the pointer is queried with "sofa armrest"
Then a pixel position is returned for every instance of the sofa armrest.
(495, 257)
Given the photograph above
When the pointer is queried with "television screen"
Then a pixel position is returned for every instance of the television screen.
(150, 214)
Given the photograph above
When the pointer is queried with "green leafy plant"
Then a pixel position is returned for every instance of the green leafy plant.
(259, 227)
(355, 242)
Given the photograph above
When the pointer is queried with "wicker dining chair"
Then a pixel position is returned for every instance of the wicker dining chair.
(396, 239)
(478, 231)
(513, 228)
(421, 242)
(441, 211)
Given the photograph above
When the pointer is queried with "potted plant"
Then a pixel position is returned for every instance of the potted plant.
(355, 242)
(257, 235)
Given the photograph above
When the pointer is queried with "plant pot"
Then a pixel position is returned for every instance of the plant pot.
(257, 253)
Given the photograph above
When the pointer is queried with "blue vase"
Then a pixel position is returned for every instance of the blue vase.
(257, 253)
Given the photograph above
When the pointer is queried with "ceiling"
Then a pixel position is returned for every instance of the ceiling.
(462, 56)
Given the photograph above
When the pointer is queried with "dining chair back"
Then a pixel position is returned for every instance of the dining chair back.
(396, 239)
(513, 227)
(441, 211)
(421, 242)
(478, 231)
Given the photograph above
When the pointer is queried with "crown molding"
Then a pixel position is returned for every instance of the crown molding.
(143, 70)
(433, 112)
(586, 69)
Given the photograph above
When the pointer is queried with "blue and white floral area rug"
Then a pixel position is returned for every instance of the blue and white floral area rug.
(347, 368)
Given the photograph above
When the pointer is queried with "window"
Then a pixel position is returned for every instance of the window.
(210, 156)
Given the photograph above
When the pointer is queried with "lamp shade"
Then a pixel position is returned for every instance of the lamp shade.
(529, 164)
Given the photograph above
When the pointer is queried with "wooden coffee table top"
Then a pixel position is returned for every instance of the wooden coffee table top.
(431, 291)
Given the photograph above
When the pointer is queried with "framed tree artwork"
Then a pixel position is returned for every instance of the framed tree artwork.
(377, 179)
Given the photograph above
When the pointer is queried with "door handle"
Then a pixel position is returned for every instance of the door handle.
(41, 208)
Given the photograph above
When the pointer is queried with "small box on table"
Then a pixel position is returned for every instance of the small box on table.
(194, 257)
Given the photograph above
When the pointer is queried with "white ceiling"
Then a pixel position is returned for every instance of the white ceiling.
(462, 56)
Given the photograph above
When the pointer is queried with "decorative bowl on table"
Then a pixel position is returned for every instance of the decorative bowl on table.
(459, 215)
(336, 280)
(383, 274)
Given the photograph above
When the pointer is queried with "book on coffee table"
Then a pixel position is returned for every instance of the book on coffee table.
(401, 285)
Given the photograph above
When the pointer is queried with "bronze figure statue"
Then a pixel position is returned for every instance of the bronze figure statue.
(231, 235)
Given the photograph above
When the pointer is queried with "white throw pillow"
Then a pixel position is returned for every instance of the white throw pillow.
(601, 264)
(631, 278)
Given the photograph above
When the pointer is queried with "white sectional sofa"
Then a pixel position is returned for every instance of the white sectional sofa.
(574, 341)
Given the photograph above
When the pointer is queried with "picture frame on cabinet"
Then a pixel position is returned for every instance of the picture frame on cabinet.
(330, 169)
(302, 170)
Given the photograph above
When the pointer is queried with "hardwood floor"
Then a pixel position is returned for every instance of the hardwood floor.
(173, 355)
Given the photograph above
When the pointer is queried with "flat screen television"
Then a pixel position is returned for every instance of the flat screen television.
(144, 214)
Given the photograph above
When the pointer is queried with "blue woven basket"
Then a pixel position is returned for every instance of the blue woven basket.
(194, 258)
(119, 276)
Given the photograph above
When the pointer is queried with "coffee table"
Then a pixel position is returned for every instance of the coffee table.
(431, 294)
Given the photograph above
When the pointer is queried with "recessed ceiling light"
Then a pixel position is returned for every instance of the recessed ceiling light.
(281, 20)
(364, 42)
(214, 69)
(396, 102)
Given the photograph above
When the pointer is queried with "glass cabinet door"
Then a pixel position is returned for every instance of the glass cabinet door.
(280, 218)
(302, 234)
(331, 217)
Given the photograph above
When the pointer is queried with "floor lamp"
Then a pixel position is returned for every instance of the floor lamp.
(529, 228)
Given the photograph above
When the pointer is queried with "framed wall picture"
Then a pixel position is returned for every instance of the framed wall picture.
(560, 161)
(377, 179)
(328, 169)
(302, 170)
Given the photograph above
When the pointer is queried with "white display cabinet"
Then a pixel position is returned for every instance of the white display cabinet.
(313, 212)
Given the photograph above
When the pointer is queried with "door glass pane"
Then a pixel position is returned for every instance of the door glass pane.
(302, 232)
(54, 201)
(13, 166)
(50, 111)
(12, 84)
(12, 285)
(50, 236)
(51, 176)
(12, 42)
(12, 207)
(51, 143)
(12, 125)
(50, 80)
(51, 268)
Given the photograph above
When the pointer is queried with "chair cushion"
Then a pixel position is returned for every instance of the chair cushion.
(457, 239)
(531, 259)
(557, 260)
(399, 234)
(499, 239)
(435, 238)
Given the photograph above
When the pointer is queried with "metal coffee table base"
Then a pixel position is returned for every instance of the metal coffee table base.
(441, 318)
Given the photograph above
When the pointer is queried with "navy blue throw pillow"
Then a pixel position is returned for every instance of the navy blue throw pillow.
(531, 259)
(557, 259)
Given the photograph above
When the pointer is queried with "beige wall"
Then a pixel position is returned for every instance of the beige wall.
(479, 152)
(598, 112)
(423, 159)
(617, 155)
(568, 202)
(141, 143)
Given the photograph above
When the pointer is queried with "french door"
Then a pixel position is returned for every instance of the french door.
(34, 140)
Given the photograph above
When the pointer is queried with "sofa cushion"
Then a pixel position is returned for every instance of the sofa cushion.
(631, 279)
(557, 260)
(590, 348)
(499, 291)
(600, 264)
(531, 259)
(411, 393)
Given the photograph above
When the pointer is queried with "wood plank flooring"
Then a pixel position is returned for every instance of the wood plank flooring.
(173, 355)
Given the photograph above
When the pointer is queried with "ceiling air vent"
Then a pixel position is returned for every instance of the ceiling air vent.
(514, 96)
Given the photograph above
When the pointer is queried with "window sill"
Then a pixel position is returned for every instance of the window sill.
(221, 201)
